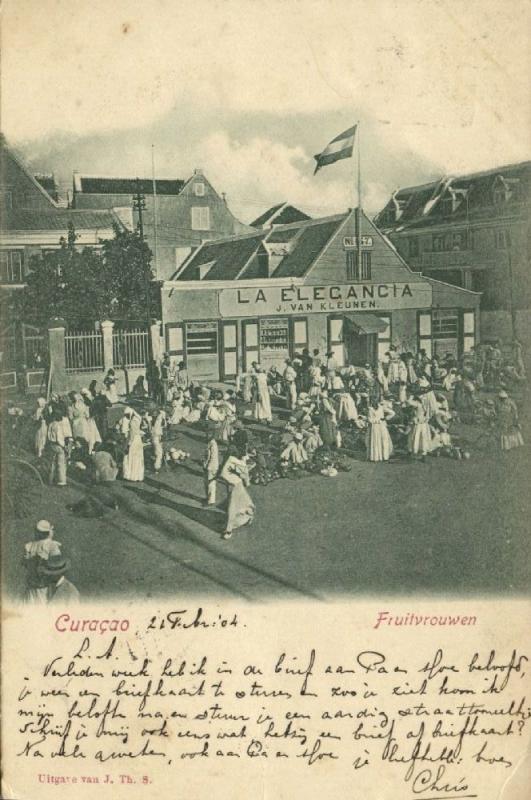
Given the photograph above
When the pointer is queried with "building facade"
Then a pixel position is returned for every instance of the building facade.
(268, 295)
(186, 213)
(32, 221)
(472, 231)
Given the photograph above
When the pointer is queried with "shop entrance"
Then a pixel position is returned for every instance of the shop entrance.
(360, 337)
(361, 348)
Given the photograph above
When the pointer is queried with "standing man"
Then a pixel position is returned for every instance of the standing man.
(290, 376)
(165, 378)
(59, 589)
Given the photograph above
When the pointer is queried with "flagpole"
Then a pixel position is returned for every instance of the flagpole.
(358, 137)
(155, 210)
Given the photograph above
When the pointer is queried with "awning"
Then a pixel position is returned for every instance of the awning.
(365, 323)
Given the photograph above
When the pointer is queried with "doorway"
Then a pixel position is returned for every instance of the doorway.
(361, 348)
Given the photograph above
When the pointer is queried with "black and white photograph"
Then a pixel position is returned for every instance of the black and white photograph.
(266, 332)
(265, 361)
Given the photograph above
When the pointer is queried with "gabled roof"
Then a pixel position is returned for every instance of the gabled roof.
(421, 205)
(307, 247)
(58, 220)
(20, 164)
(229, 257)
(281, 214)
(241, 257)
(91, 184)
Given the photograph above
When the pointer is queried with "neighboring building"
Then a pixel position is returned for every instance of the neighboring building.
(281, 214)
(32, 221)
(266, 295)
(188, 212)
(472, 231)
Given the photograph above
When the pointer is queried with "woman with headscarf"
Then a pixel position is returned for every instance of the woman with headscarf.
(110, 386)
(327, 421)
(240, 508)
(93, 434)
(262, 406)
(508, 424)
(79, 416)
(133, 464)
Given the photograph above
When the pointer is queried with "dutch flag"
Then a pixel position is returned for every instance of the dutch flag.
(338, 148)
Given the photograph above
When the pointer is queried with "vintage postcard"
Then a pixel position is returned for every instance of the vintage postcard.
(266, 434)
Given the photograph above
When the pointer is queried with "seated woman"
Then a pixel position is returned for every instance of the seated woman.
(139, 390)
(104, 466)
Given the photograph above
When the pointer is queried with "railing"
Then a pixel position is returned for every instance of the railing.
(35, 345)
(131, 347)
(83, 351)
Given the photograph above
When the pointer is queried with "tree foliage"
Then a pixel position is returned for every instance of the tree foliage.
(83, 285)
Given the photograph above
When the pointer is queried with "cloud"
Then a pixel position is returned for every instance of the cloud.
(249, 91)
(259, 172)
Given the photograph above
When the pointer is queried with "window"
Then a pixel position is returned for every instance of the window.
(502, 239)
(413, 246)
(469, 330)
(201, 338)
(365, 265)
(384, 338)
(445, 323)
(299, 335)
(424, 331)
(352, 258)
(6, 198)
(459, 241)
(274, 336)
(356, 272)
(438, 243)
(174, 339)
(11, 263)
(199, 189)
(335, 339)
(201, 218)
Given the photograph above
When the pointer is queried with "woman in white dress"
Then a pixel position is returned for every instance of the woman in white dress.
(419, 441)
(157, 433)
(133, 466)
(240, 510)
(378, 440)
(79, 416)
(346, 408)
(262, 406)
(93, 434)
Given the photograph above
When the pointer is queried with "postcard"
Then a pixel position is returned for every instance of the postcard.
(265, 354)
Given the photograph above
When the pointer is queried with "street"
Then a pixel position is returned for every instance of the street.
(400, 528)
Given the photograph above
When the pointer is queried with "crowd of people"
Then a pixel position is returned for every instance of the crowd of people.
(405, 407)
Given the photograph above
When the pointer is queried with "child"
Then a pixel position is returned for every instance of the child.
(35, 553)
(211, 468)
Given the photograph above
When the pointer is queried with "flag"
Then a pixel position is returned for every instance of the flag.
(340, 147)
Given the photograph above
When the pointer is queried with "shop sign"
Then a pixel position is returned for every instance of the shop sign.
(351, 242)
(267, 300)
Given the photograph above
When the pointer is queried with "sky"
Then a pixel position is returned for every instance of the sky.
(250, 91)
